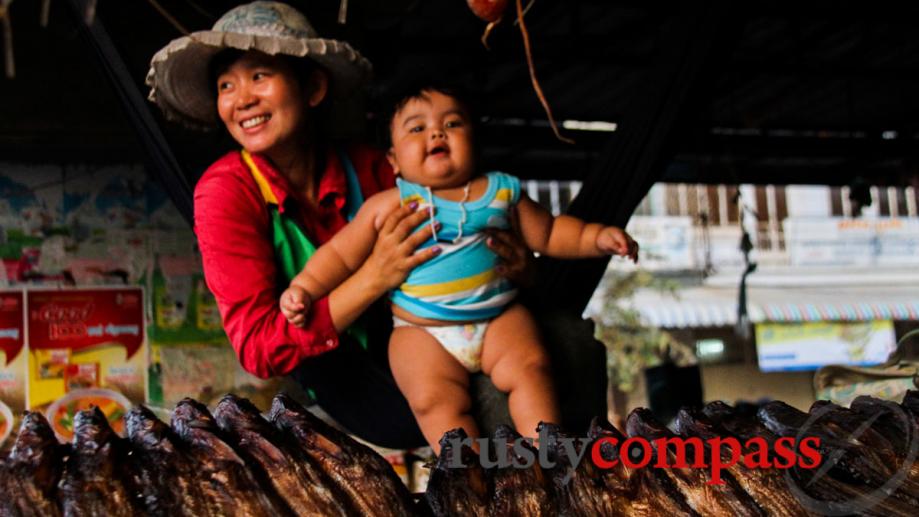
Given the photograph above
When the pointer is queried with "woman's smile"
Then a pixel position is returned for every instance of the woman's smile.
(255, 123)
(262, 103)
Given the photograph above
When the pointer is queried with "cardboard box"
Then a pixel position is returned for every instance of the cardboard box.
(86, 346)
(13, 360)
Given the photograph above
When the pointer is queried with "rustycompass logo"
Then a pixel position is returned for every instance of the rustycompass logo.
(765, 459)
(714, 455)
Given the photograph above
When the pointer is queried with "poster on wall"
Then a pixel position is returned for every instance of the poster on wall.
(28, 217)
(12, 361)
(808, 346)
(666, 241)
(86, 347)
(837, 241)
(189, 352)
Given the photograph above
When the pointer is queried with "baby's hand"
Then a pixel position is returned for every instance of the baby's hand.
(615, 241)
(295, 304)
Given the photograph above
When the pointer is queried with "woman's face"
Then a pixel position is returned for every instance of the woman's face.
(262, 103)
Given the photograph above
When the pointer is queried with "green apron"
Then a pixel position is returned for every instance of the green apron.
(292, 248)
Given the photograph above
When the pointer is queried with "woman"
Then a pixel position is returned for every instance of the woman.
(264, 73)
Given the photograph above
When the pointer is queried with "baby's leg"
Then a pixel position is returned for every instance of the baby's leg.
(515, 360)
(434, 383)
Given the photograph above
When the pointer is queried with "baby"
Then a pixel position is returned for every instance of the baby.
(454, 315)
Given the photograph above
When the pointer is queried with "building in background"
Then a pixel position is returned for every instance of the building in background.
(836, 279)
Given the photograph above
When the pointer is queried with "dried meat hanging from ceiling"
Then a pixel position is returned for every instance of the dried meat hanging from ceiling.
(492, 11)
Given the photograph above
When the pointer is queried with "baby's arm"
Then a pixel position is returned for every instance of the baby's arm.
(337, 259)
(569, 237)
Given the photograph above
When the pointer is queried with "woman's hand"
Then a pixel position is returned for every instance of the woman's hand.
(393, 256)
(515, 260)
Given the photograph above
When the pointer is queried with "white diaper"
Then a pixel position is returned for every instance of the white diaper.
(464, 342)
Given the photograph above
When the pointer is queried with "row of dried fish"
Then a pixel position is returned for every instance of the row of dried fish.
(234, 462)
(867, 466)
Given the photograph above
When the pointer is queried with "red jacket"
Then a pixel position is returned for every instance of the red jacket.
(234, 234)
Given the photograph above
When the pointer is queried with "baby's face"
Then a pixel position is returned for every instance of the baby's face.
(432, 142)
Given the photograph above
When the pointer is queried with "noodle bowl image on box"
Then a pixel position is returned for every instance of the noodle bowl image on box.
(87, 347)
(6, 423)
(61, 412)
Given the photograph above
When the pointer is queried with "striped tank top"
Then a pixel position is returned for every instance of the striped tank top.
(460, 284)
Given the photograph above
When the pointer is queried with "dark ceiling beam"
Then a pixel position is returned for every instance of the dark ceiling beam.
(690, 43)
(85, 146)
(820, 70)
(717, 170)
(591, 50)
(159, 156)
(530, 150)
(834, 10)
(528, 136)
(871, 144)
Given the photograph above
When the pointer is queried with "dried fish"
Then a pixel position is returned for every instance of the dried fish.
(33, 469)
(845, 423)
(228, 485)
(892, 422)
(457, 489)
(239, 463)
(367, 479)
(94, 482)
(161, 468)
(855, 462)
(911, 403)
(579, 488)
(519, 490)
(765, 486)
(720, 499)
(298, 482)
(649, 493)
(818, 492)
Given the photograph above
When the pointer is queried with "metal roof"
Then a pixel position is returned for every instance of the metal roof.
(709, 306)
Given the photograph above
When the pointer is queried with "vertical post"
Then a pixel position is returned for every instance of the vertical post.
(682, 191)
(657, 199)
(574, 187)
(773, 218)
(893, 201)
(533, 190)
(45, 13)
(910, 194)
(749, 221)
(844, 193)
(554, 200)
(702, 201)
(6, 24)
(875, 201)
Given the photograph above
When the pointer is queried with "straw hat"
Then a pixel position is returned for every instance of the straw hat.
(178, 76)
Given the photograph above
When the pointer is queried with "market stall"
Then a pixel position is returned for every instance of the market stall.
(757, 362)
(720, 461)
